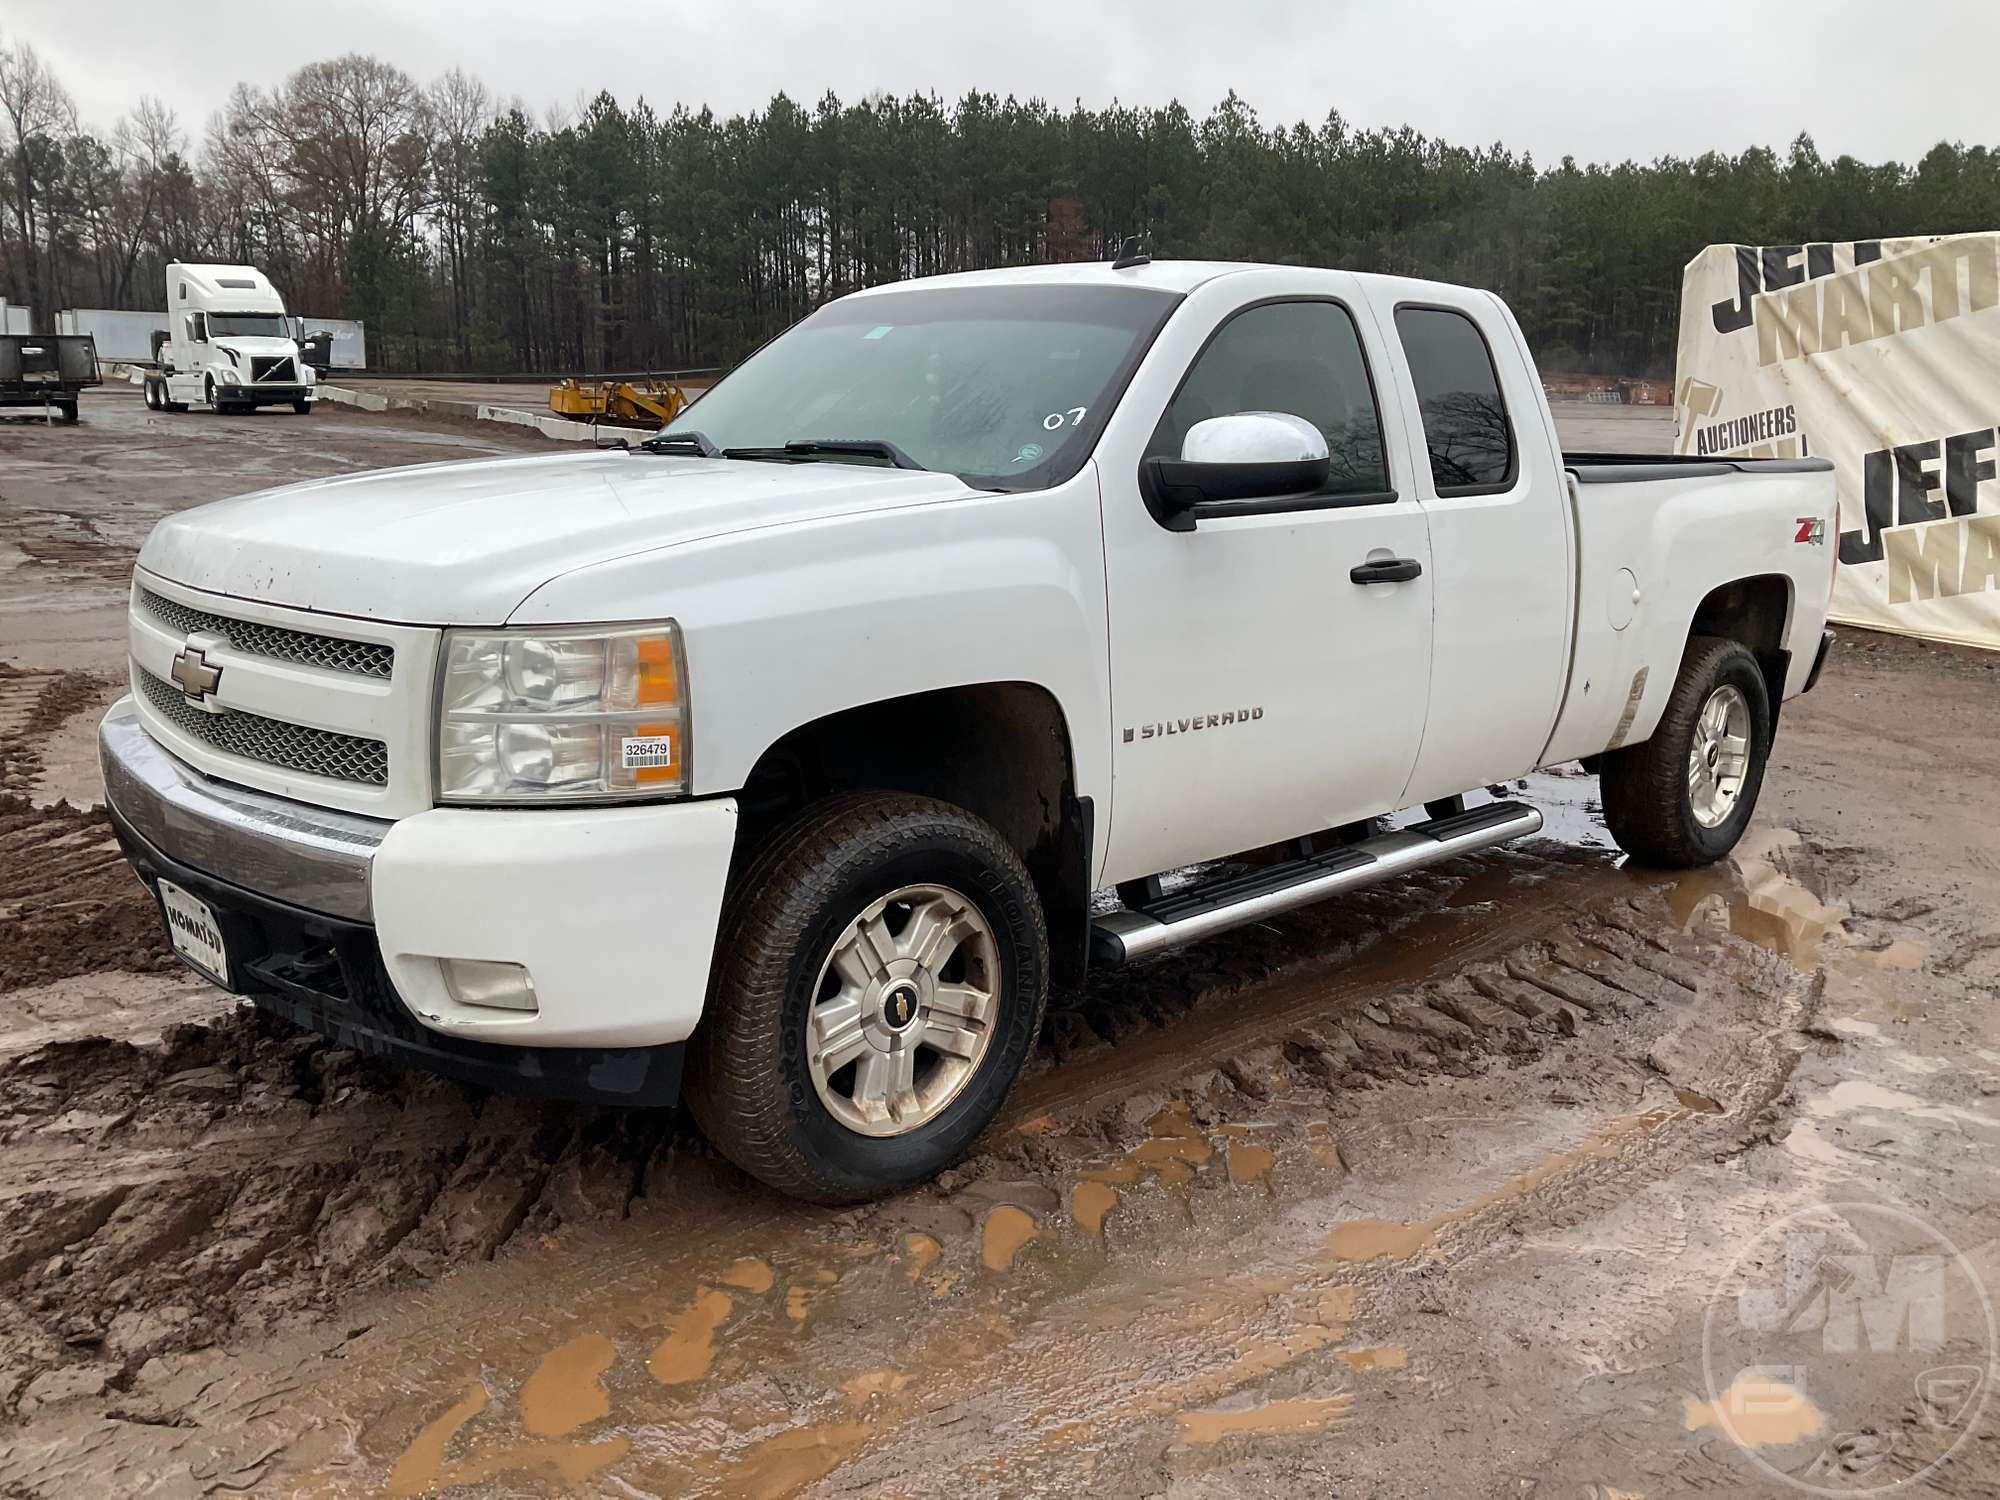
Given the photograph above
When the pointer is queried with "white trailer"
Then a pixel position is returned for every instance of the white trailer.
(228, 344)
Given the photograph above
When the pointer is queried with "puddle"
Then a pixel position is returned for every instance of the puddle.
(1247, 1162)
(923, 1250)
(1901, 954)
(1372, 1239)
(1857, 1093)
(1325, 1150)
(1310, 1414)
(1175, 1147)
(1759, 899)
(1090, 1202)
(1381, 1357)
(787, 1463)
(422, 1468)
(567, 1388)
(1118, 1174)
(1701, 1104)
(1007, 1229)
(1757, 1412)
(1805, 1141)
(750, 1275)
(1571, 806)
(422, 1462)
(689, 1347)
(798, 1302)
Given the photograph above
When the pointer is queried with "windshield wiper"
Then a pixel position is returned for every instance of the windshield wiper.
(804, 450)
(684, 441)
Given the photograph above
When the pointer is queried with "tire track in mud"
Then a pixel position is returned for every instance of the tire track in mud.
(69, 904)
(379, 1179)
(144, 1182)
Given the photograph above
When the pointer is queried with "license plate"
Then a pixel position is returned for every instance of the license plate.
(196, 935)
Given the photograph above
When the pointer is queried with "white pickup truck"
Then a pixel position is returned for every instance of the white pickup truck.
(789, 747)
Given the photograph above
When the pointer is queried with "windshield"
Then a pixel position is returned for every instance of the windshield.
(1004, 386)
(248, 325)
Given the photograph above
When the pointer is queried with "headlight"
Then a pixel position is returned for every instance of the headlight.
(585, 714)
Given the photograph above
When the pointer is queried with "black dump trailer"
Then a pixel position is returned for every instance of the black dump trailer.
(47, 370)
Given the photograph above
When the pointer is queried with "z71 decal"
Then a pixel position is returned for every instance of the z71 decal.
(1812, 531)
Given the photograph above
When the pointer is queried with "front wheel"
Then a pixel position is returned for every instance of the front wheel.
(1684, 797)
(880, 978)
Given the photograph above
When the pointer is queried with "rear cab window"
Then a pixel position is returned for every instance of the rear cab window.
(1300, 357)
(1467, 431)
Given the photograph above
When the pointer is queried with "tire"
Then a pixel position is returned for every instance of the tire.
(67, 409)
(152, 395)
(1656, 803)
(303, 408)
(790, 916)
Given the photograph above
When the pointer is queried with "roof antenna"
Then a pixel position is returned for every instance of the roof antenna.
(1130, 255)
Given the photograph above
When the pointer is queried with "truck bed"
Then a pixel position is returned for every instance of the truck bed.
(38, 367)
(1630, 468)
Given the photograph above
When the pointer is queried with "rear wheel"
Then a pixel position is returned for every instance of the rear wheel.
(67, 410)
(1685, 796)
(303, 408)
(152, 395)
(880, 979)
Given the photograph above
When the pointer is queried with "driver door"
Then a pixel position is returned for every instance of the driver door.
(1260, 689)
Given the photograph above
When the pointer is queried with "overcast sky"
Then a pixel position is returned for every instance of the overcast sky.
(1596, 79)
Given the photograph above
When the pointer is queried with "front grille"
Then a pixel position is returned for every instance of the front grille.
(329, 652)
(317, 752)
(273, 367)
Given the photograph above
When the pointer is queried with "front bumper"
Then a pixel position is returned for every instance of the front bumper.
(264, 393)
(343, 922)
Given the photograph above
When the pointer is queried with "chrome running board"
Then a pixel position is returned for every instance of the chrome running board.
(1201, 911)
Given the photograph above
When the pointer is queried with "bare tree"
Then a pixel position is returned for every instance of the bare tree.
(460, 111)
(146, 148)
(36, 114)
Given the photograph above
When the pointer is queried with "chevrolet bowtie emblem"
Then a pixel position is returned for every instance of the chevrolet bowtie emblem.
(193, 675)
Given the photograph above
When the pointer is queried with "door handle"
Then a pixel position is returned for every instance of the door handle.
(1386, 570)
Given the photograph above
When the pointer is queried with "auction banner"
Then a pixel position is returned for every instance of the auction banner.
(1883, 356)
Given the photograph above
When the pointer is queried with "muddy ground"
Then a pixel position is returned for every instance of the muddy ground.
(1443, 1189)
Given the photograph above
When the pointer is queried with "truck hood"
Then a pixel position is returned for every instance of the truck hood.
(466, 543)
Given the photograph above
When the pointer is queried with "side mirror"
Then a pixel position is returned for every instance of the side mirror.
(1246, 456)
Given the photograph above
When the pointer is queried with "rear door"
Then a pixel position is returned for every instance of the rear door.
(1258, 691)
(1489, 481)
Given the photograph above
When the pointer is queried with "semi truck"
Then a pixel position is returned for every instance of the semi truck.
(787, 758)
(228, 345)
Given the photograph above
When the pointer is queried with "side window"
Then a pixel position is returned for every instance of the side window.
(1299, 357)
(197, 328)
(1466, 429)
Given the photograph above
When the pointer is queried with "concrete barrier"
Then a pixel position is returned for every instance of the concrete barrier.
(559, 428)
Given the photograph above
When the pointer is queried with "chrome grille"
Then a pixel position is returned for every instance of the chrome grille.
(328, 652)
(296, 747)
(277, 368)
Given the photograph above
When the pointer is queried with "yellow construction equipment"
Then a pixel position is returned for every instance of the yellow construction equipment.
(641, 403)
